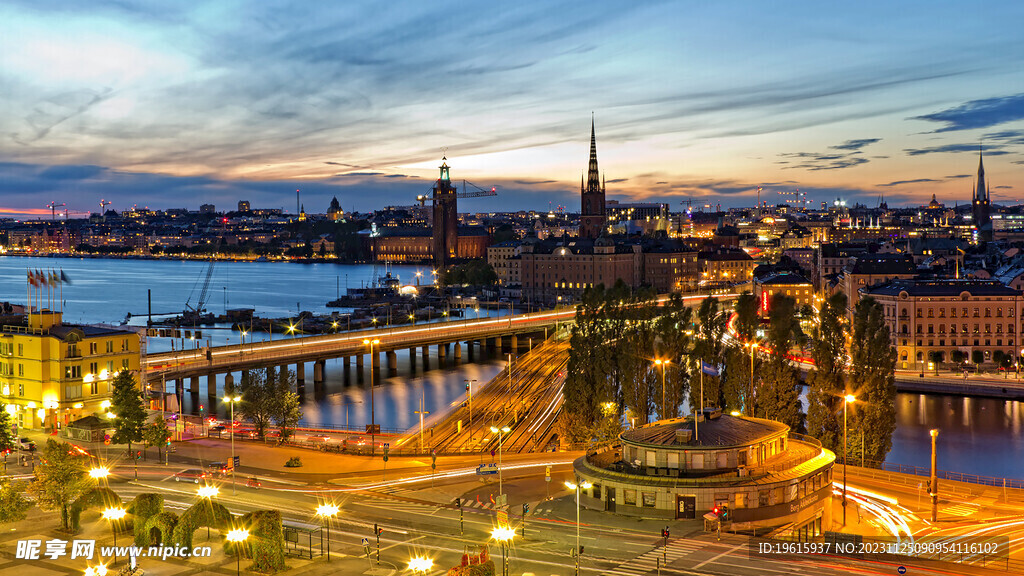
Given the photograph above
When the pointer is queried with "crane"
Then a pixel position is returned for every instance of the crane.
(201, 303)
(103, 205)
(477, 192)
(53, 209)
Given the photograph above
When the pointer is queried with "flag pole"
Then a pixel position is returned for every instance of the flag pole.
(28, 289)
(696, 434)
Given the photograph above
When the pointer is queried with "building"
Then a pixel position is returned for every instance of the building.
(671, 267)
(725, 266)
(207, 209)
(55, 373)
(930, 319)
(592, 204)
(794, 286)
(763, 475)
(446, 219)
(334, 211)
(418, 244)
(868, 270)
(504, 259)
(981, 207)
(550, 270)
(831, 259)
(244, 206)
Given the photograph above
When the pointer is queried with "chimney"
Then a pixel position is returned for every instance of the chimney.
(683, 435)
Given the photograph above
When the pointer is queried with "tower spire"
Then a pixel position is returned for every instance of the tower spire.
(593, 175)
(979, 192)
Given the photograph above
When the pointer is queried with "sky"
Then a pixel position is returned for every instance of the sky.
(176, 104)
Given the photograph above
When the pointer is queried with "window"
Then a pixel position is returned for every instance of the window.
(595, 491)
(21, 369)
(21, 350)
(741, 500)
(73, 371)
(93, 368)
(92, 348)
(94, 387)
(649, 499)
(110, 346)
(652, 459)
(762, 498)
(629, 497)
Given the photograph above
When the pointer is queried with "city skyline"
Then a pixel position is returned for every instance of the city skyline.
(152, 106)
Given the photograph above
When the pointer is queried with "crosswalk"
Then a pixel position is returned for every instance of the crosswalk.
(965, 509)
(649, 561)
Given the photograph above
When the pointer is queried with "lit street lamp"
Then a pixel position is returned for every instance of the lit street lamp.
(113, 515)
(664, 406)
(420, 565)
(933, 483)
(501, 437)
(327, 511)
(208, 493)
(577, 486)
(232, 400)
(847, 400)
(504, 535)
(750, 401)
(98, 570)
(469, 391)
(99, 473)
(237, 536)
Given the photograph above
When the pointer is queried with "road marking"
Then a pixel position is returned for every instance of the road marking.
(713, 558)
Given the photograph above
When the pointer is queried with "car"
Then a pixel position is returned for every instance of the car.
(356, 444)
(26, 445)
(191, 475)
(487, 469)
(253, 482)
(218, 468)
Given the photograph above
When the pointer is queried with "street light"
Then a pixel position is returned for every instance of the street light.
(232, 400)
(421, 565)
(99, 473)
(237, 536)
(373, 417)
(504, 535)
(327, 511)
(577, 486)
(501, 437)
(847, 400)
(933, 484)
(469, 391)
(98, 570)
(208, 493)
(662, 363)
(113, 515)
(750, 401)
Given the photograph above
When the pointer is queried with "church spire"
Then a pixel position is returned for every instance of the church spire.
(980, 192)
(593, 175)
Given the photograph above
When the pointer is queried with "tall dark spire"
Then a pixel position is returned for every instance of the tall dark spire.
(980, 192)
(593, 176)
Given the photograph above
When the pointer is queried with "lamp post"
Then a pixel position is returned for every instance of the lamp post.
(662, 363)
(327, 511)
(373, 417)
(933, 484)
(99, 473)
(237, 536)
(750, 401)
(232, 400)
(113, 515)
(208, 493)
(577, 486)
(469, 391)
(501, 437)
(847, 400)
(504, 535)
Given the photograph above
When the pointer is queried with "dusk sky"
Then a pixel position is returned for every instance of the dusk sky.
(174, 104)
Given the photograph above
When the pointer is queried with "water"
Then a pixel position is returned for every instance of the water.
(981, 436)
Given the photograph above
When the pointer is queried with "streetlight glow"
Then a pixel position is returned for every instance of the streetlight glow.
(503, 533)
(327, 510)
(99, 472)
(421, 564)
(208, 491)
(850, 398)
(114, 513)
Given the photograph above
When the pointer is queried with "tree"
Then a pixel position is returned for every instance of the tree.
(746, 316)
(156, 434)
(958, 356)
(258, 399)
(872, 377)
(707, 348)
(286, 412)
(736, 381)
(126, 405)
(827, 382)
(7, 437)
(977, 357)
(673, 330)
(586, 382)
(13, 504)
(778, 397)
(61, 478)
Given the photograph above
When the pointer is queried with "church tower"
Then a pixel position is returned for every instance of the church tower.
(446, 219)
(980, 205)
(592, 218)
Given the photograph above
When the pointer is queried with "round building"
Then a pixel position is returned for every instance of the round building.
(756, 471)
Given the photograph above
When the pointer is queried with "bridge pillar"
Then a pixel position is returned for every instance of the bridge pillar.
(442, 353)
(412, 360)
(392, 362)
(470, 348)
(359, 362)
(229, 383)
(457, 351)
(318, 371)
(426, 357)
(300, 372)
(193, 385)
(514, 345)
(488, 343)
(211, 385)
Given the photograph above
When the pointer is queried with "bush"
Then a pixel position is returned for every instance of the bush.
(293, 462)
(266, 541)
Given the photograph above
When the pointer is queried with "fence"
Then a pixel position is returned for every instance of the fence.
(993, 481)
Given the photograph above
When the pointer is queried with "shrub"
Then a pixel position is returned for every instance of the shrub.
(293, 462)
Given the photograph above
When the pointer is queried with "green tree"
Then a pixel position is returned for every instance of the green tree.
(746, 316)
(13, 504)
(674, 340)
(827, 382)
(778, 397)
(156, 434)
(736, 382)
(286, 411)
(60, 478)
(7, 437)
(872, 377)
(258, 399)
(707, 347)
(126, 405)
(586, 382)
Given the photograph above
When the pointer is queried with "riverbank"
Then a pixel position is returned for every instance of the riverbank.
(972, 386)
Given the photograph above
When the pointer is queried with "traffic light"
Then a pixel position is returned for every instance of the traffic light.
(664, 532)
(168, 440)
(581, 550)
(377, 530)
(458, 502)
(526, 508)
(138, 455)
(725, 513)
(467, 386)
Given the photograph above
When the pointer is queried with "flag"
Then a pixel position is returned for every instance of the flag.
(40, 277)
(64, 278)
(708, 369)
(53, 280)
(31, 277)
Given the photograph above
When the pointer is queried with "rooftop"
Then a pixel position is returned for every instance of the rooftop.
(945, 288)
(725, 430)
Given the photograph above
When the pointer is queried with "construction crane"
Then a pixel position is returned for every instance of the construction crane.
(103, 205)
(53, 209)
(477, 192)
(203, 294)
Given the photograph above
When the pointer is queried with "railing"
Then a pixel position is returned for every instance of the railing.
(994, 481)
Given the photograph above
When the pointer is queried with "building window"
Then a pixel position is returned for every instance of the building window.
(762, 498)
(110, 346)
(629, 497)
(92, 348)
(21, 369)
(21, 350)
(649, 499)
(124, 364)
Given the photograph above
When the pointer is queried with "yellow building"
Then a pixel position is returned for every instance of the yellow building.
(52, 372)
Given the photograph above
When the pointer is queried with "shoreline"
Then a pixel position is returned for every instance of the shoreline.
(150, 257)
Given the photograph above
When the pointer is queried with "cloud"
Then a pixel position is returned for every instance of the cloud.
(978, 113)
(916, 181)
(855, 144)
(955, 176)
(1003, 187)
(955, 148)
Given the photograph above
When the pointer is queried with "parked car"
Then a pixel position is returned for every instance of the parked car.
(190, 475)
(26, 445)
